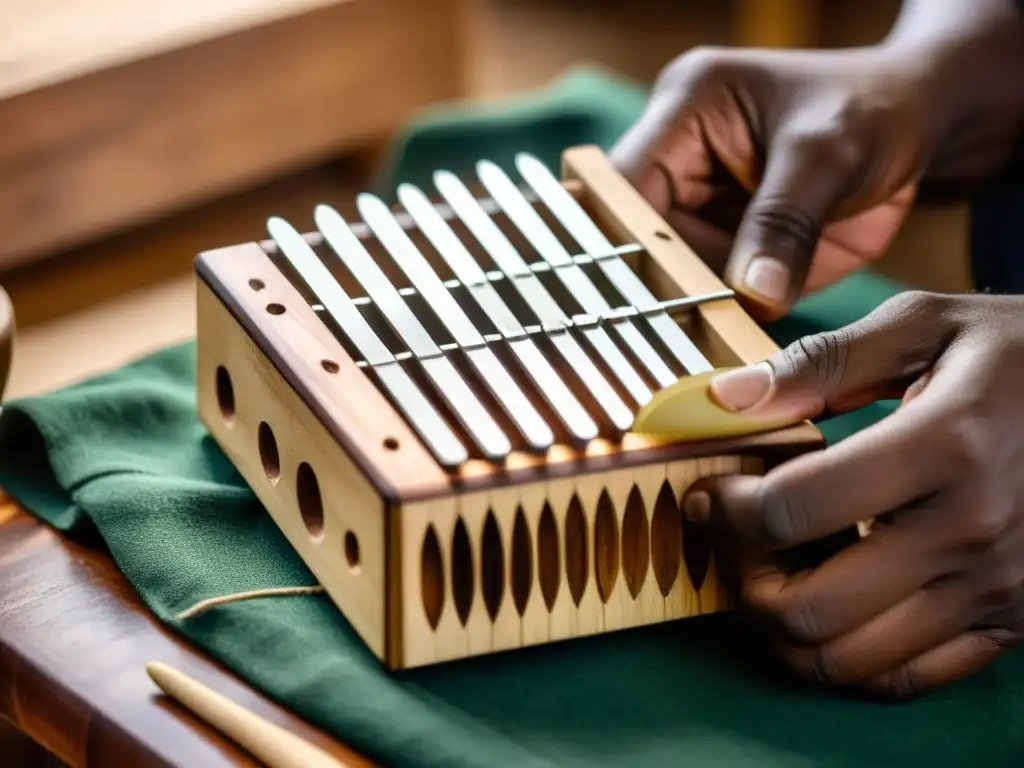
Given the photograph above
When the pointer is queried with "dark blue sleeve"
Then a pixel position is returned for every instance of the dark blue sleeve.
(997, 230)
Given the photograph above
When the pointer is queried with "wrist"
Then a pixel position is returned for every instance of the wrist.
(963, 58)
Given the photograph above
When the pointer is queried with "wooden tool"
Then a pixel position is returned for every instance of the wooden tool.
(273, 746)
(435, 404)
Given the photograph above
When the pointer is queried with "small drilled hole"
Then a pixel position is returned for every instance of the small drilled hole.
(352, 552)
(311, 507)
(225, 394)
(330, 366)
(275, 309)
(391, 443)
(268, 453)
(663, 235)
(257, 285)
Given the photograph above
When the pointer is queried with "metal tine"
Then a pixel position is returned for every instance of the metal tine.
(478, 422)
(582, 428)
(536, 296)
(425, 419)
(582, 228)
(534, 429)
(522, 213)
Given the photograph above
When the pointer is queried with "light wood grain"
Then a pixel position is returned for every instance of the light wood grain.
(348, 504)
(48, 42)
(87, 156)
(63, 607)
(272, 745)
(671, 268)
(462, 563)
(598, 611)
(375, 434)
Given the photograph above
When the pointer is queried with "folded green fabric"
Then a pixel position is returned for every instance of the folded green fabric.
(122, 462)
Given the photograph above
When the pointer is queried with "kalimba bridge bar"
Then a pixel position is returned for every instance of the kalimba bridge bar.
(434, 402)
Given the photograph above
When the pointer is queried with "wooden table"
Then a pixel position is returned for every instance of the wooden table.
(74, 642)
(117, 112)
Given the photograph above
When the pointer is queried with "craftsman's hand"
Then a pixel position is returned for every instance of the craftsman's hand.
(935, 592)
(787, 170)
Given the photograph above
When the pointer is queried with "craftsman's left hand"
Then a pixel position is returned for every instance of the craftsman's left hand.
(936, 592)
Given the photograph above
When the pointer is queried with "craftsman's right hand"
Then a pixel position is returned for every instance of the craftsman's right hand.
(787, 170)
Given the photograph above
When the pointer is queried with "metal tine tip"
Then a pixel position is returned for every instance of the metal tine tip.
(525, 217)
(403, 251)
(447, 381)
(408, 398)
(582, 228)
(567, 408)
(508, 260)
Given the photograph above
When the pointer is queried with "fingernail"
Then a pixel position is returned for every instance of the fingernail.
(743, 389)
(768, 277)
(697, 506)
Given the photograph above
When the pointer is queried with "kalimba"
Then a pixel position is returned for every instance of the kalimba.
(435, 402)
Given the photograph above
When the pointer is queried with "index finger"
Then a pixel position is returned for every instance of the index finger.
(904, 457)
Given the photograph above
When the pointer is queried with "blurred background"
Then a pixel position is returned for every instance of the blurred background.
(137, 133)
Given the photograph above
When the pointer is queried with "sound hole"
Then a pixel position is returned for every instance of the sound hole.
(268, 453)
(576, 549)
(522, 562)
(547, 556)
(606, 546)
(492, 566)
(311, 506)
(666, 539)
(696, 551)
(636, 549)
(352, 552)
(462, 571)
(225, 394)
(432, 578)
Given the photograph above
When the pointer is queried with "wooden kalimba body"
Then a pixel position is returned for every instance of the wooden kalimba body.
(434, 404)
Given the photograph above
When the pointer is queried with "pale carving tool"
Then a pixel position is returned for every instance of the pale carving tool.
(270, 744)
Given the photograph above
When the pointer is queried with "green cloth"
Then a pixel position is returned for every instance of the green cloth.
(122, 462)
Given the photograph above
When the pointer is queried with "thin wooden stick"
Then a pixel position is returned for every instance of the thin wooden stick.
(213, 602)
(270, 744)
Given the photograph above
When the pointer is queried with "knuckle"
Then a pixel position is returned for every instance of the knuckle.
(904, 684)
(1003, 587)
(1000, 584)
(967, 438)
(758, 601)
(822, 357)
(801, 620)
(829, 140)
(825, 667)
(1002, 639)
(983, 523)
(915, 305)
(785, 518)
(785, 224)
(697, 66)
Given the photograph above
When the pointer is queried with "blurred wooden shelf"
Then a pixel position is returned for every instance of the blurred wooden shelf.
(115, 112)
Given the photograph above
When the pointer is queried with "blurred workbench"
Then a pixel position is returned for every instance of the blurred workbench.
(114, 112)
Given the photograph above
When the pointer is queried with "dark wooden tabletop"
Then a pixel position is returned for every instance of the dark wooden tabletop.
(74, 643)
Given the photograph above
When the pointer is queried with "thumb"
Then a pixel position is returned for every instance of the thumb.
(806, 175)
(876, 358)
